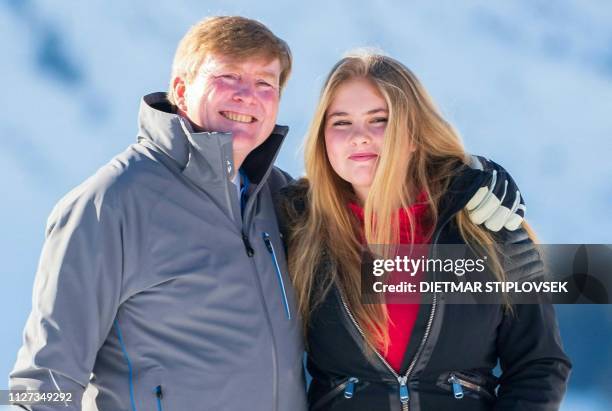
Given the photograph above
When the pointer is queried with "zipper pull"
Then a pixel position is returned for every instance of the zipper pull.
(457, 388)
(350, 387)
(266, 238)
(247, 245)
(403, 389)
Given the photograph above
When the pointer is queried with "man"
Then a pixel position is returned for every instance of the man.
(162, 282)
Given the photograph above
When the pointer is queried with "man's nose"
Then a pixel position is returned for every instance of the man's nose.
(245, 92)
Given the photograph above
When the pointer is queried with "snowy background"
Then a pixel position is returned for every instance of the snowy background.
(527, 83)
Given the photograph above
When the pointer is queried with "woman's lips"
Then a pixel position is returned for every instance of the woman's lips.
(362, 156)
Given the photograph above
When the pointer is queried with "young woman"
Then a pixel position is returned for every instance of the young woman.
(382, 168)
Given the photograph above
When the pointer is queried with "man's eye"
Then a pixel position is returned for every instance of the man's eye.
(229, 76)
(262, 83)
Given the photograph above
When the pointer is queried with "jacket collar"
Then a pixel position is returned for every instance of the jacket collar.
(203, 157)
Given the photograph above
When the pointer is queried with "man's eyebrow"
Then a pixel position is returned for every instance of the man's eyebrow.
(268, 75)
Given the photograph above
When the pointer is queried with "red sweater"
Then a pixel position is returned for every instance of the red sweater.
(402, 316)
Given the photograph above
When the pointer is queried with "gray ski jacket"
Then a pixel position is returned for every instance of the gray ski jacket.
(154, 289)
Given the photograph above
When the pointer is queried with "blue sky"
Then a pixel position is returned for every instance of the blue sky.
(526, 83)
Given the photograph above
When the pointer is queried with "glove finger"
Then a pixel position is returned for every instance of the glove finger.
(498, 219)
(485, 210)
(505, 211)
(477, 198)
(516, 218)
(491, 202)
(482, 193)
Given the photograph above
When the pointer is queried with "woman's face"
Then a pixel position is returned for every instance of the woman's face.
(355, 123)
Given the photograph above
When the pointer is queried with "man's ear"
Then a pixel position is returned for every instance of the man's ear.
(179, 88)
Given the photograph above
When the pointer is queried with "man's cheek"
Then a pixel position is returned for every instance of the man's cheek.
(270, 97)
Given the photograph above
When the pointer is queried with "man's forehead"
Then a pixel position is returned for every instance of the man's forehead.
(259, 64)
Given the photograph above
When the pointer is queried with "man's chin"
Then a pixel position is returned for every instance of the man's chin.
(245, 142)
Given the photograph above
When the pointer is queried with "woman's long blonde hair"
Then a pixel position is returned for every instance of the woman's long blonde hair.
(420, 151)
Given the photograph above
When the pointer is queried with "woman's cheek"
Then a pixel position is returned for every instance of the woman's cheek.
(335, 148)
(378, 132)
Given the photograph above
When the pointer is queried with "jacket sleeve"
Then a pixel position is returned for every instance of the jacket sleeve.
(535, 368)
(75, 299)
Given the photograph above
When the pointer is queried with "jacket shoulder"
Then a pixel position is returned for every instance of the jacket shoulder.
(122, 178)
(522, 258)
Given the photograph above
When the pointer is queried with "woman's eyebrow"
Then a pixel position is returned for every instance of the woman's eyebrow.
(337, 114)
(342, 113)
(376, 110)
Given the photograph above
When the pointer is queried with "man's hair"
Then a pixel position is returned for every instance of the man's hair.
(233, 36)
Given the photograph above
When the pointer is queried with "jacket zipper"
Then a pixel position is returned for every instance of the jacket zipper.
(247, 245)
(349, 390)
(459, 383)
(347, 387)
(457, 386)
(246, 219)
(404, 393)
(274, 345)
(159, 395)
(250, 252)
(270, 247)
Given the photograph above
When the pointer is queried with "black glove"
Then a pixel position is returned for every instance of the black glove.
(499, 203)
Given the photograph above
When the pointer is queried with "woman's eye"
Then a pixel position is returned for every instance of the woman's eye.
(341, 123)
(380, 120)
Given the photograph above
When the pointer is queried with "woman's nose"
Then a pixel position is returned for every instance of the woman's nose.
(360, 136)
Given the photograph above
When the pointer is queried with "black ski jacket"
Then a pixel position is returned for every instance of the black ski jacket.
(453, 348)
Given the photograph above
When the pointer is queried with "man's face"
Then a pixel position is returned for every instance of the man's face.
(228, 95)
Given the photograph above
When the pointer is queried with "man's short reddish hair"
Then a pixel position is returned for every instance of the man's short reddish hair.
(233, 36)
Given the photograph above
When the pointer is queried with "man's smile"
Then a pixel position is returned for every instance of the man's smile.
(240, 118)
